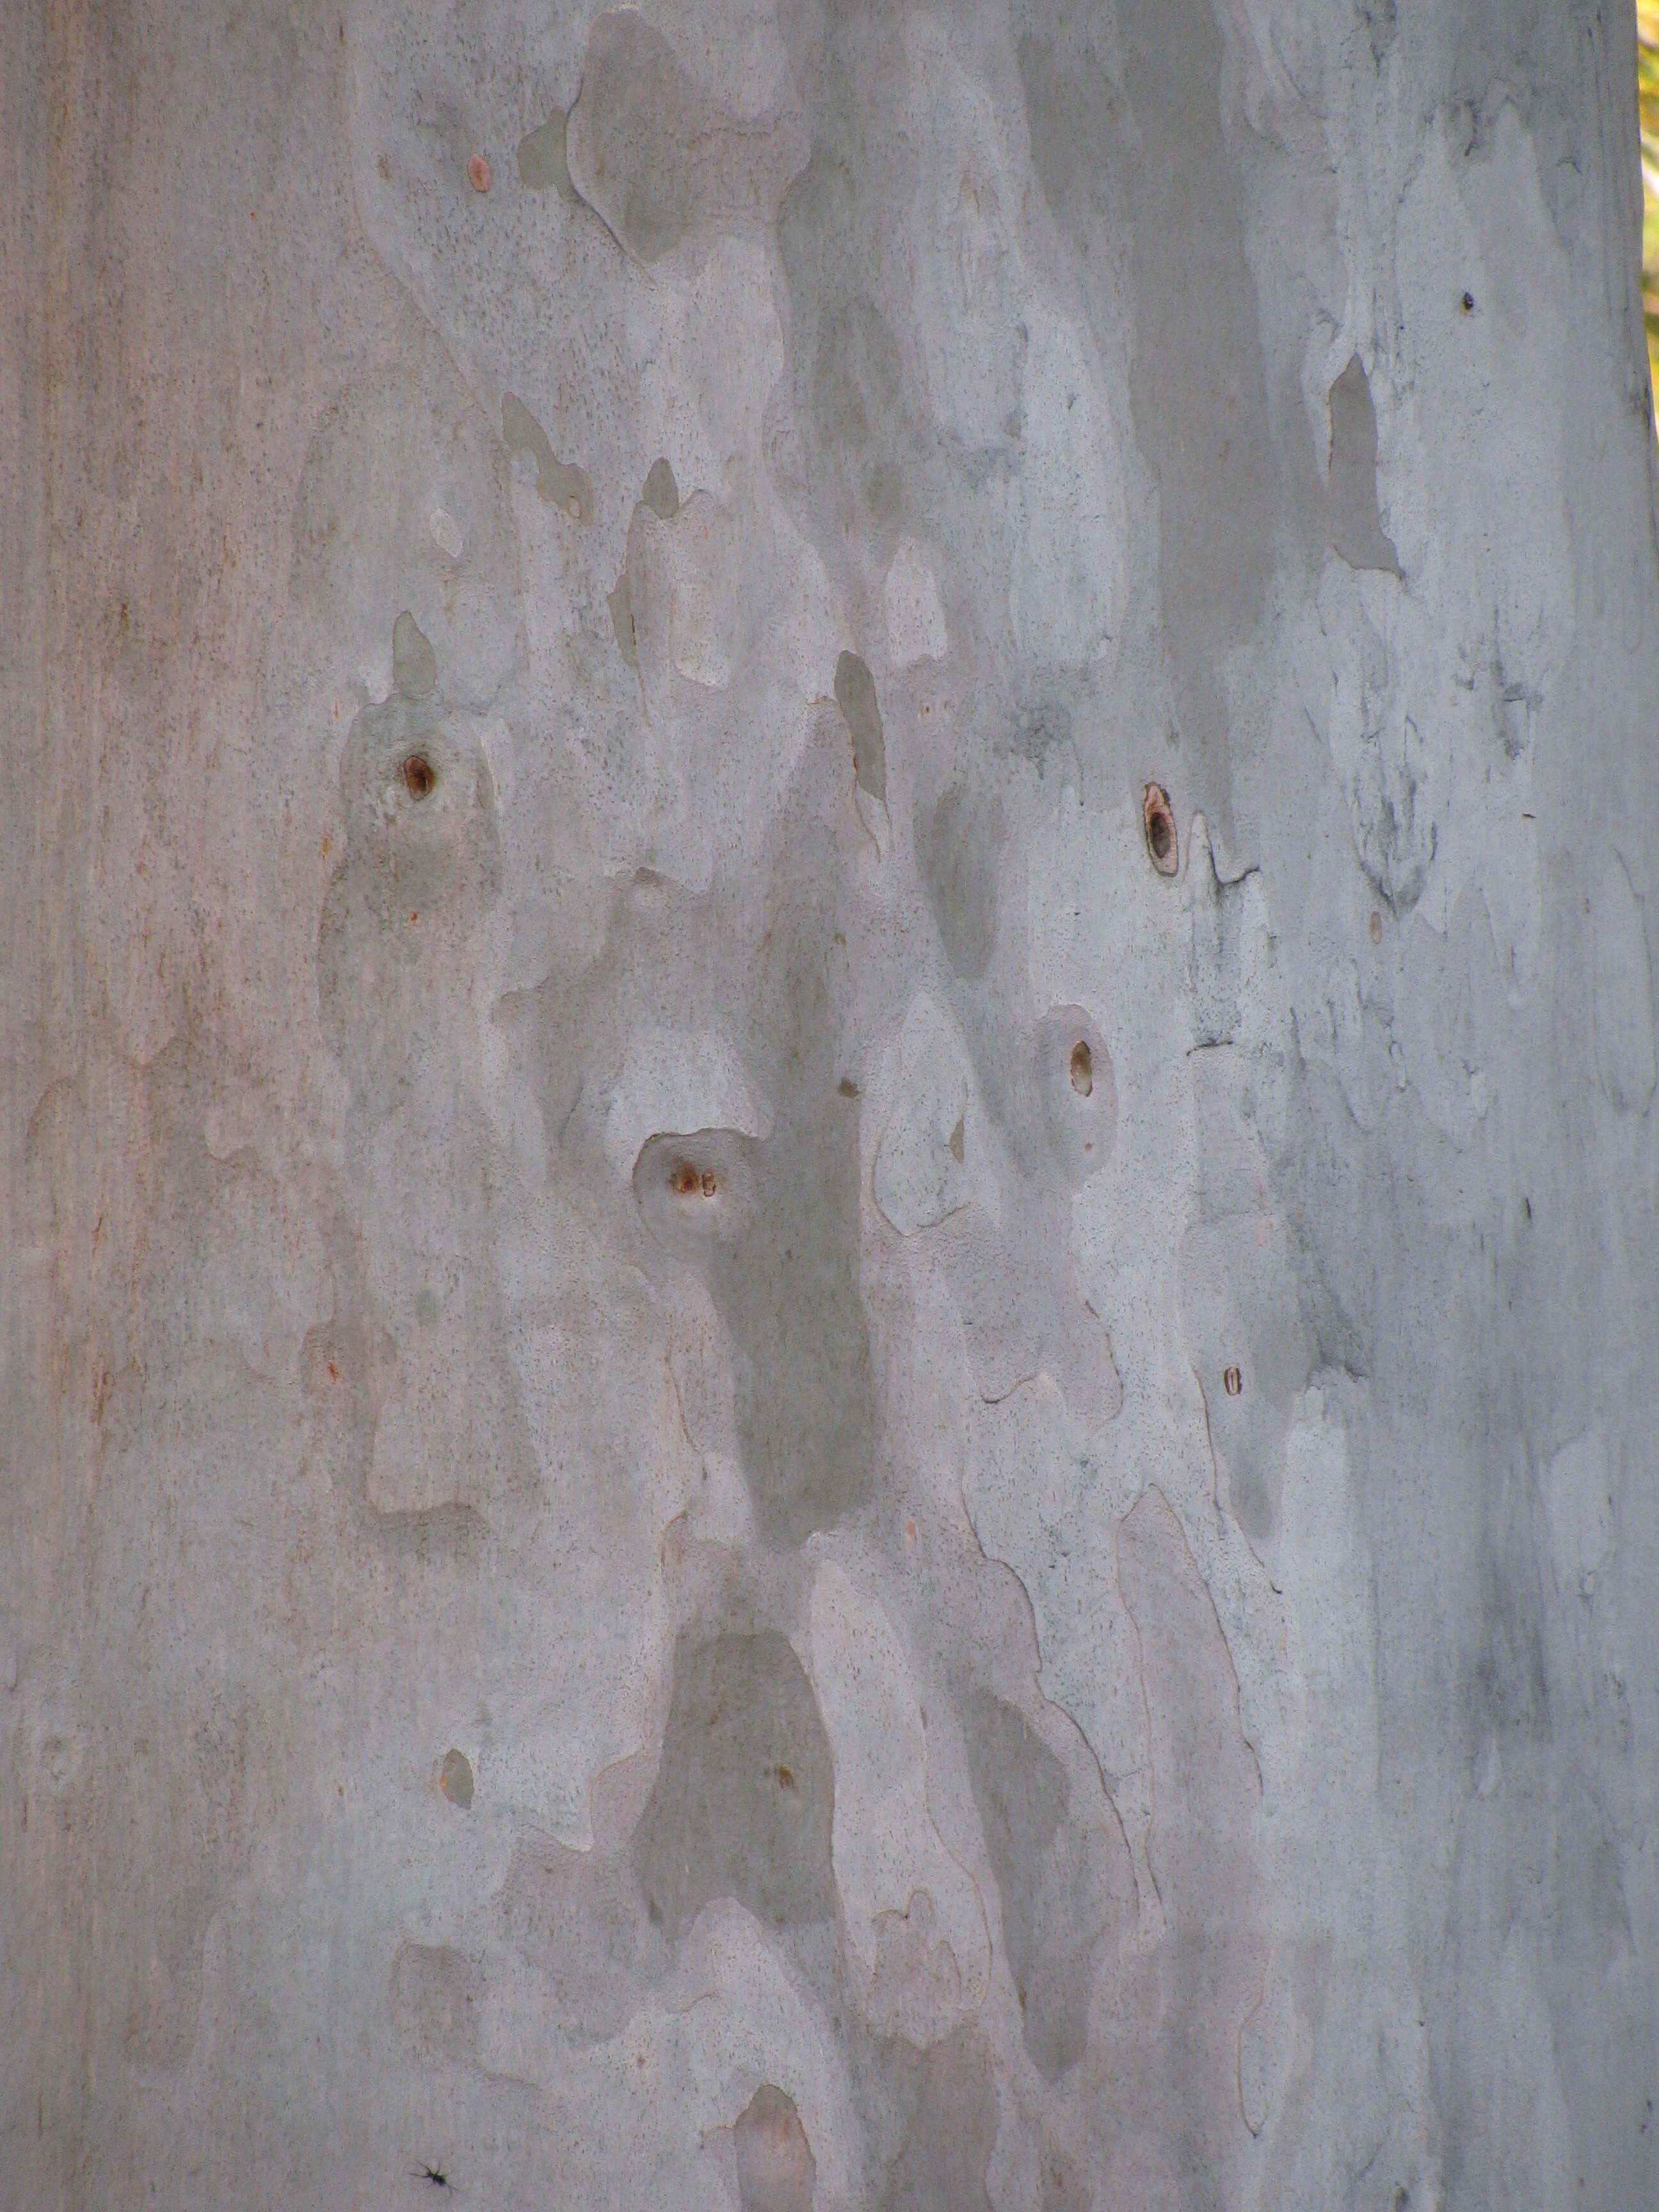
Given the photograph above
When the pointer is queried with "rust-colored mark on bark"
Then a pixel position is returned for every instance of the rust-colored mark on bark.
(1158, 819)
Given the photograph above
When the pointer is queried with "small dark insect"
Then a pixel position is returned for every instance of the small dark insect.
(1468, 303)
(434, 2174)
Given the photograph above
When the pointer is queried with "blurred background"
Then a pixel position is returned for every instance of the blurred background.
(1647, 37)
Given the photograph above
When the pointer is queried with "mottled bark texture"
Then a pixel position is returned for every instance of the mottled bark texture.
(830, 1302)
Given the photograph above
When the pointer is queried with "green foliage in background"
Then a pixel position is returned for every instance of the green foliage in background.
(1647, 79)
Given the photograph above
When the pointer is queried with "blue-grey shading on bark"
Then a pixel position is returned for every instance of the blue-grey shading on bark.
(1138, 143)
(855, 695)
(1354, 525)
(661, 494)
(561, 484)
(957, 852)
(1051, 1884)
(567, 1263)
(542, 164)
(745, 1791)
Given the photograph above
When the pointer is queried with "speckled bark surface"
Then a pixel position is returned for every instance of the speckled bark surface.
(830, 1186)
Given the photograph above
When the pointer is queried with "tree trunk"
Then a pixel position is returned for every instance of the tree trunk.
(831, 1193)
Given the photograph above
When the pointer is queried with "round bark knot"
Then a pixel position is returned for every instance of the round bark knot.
(1232, 1381)
(1083, 1068)
(420, 777)
(1158, 819)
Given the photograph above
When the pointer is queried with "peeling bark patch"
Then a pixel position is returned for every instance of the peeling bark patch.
(654, 159)
(953, 2129)
(776, 2167)
(414, 664)
(957, 853)
(455, 1778)
(580, 1918)
(855, 695)
(1049, 1880)
(447, 533)
(479, 175)
(435, 1993)
(561, 484)
(621, 605)
(661, 494)
(720, 1822)
(542, 164)
(1353, 523)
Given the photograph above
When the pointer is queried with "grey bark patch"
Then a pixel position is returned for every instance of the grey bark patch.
(580, 1918)
(743, 1799)
(620, 604)
(773, 1227)
(655, 158)
(953, 2130)
(1022, 1793)
(661, 494)
(789, 1294)
(855, 695)
(776, 2167)
(1150, 147)
(1381, 25)
(1352, 521)
(435, 1996)
(1623, 994)
(783, 1272)
(850, 439)
(1205, 1798)
(542, 164)
(561, 484)
(956, 851)
(403, 503)
(1043, 735)
(455, 1778)
(414, 664)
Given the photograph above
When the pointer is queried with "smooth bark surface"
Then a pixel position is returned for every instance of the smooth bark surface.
(831, 1189)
